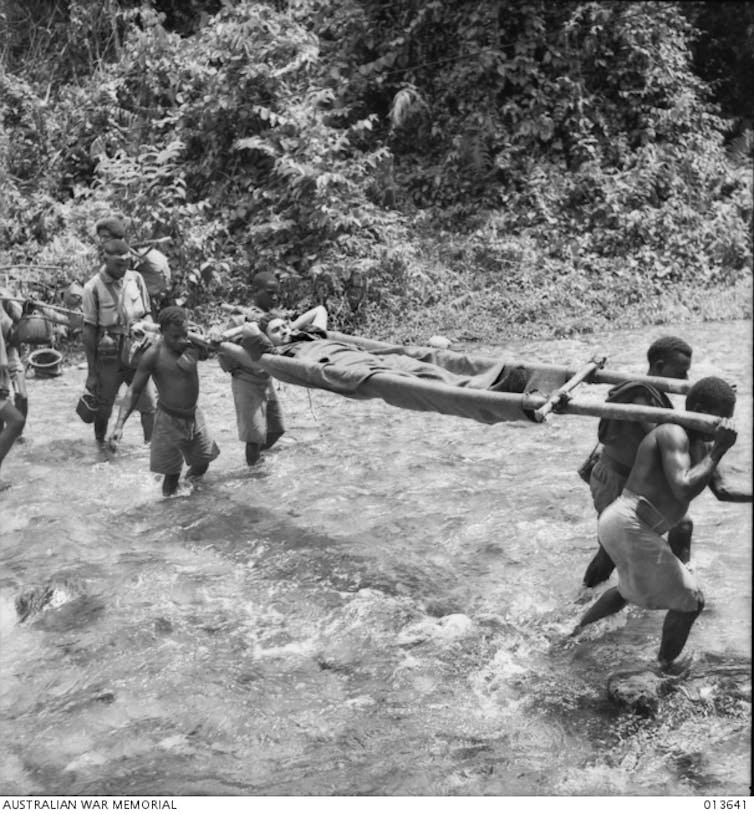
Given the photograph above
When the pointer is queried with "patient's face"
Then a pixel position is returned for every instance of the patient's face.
(279, 331)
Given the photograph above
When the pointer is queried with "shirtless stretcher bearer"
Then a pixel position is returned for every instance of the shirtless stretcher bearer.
(672, 467)
(180, 432)
(668, 356)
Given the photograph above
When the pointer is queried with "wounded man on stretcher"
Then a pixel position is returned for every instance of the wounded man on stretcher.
(350, 366)
(486, 390)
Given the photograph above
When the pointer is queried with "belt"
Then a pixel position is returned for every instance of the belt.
(646, 511)
(189, 414)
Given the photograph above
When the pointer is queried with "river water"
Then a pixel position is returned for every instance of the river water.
(379, 607)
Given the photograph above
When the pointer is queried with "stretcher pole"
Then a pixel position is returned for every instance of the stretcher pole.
(664, 385)
(562, 394)
(699, 422)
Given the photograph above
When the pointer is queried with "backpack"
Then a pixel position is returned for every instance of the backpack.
(154, 268)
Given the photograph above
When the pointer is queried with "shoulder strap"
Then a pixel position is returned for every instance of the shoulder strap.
(117, 299)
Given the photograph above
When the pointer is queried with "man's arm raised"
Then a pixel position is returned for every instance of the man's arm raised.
(316, 316)
(687, 481)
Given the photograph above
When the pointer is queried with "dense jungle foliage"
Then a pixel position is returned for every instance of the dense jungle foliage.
(475, 168)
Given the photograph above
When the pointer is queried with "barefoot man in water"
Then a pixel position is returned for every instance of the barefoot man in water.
(670, 357)
(179, 429)
(673, 465)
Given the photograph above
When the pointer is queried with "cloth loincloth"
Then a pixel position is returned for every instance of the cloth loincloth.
(649, 574)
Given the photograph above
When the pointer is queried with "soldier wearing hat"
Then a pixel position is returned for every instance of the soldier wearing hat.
(150, 262)
(114, 299)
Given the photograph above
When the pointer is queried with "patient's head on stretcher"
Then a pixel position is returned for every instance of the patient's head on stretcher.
(278, 330)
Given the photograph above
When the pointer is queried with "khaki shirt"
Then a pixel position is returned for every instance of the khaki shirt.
(115, 304)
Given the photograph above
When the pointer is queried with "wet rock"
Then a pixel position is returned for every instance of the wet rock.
(74, 615)
(32, 601)
(441, 607)
(438, 341)
(638, 691)
(54, 593)
(86, 761)
(59, 604)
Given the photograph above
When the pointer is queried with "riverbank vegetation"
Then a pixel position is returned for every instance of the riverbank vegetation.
(474, 168)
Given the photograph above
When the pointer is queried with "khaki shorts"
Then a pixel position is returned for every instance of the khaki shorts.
(175, 440)
(649, 574)
(258, 411)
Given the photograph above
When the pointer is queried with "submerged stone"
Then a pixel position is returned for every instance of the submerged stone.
(59, 604)
(638, 691)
